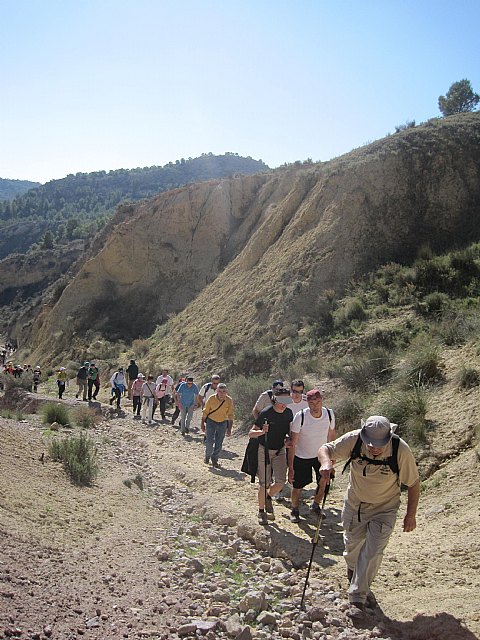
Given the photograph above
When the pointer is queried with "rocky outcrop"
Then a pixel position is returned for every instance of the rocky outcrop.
(261, 250)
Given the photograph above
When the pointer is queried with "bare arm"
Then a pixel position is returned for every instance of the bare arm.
(326, 463)
(413, 496)
(256, 432)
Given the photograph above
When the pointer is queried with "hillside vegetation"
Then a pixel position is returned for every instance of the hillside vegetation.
(11, 188)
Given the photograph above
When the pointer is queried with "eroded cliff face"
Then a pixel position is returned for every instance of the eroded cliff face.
(155, 261)
(282, 238)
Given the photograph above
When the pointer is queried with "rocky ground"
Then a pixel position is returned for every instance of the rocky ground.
(178, 552)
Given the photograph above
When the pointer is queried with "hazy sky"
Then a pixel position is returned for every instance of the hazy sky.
(109, 84)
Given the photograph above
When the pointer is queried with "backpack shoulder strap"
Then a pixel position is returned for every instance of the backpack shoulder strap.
(393, 460)
(329, 414)
(270, 394)
(355, 453)
(303, 417)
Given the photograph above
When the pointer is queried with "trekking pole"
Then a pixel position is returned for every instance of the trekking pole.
(315, 541)
(266, 454)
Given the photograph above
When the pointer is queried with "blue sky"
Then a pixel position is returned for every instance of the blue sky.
(109, 84)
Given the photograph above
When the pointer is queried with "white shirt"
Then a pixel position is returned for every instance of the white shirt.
(313, 432)
(205, 393)
(298, 406)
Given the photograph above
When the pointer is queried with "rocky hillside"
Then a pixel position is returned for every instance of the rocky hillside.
(254, 255)
(24, 279)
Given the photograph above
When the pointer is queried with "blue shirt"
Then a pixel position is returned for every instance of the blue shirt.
(187, 394)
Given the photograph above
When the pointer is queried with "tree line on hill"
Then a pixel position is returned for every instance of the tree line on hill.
(9, 189)
(79, 205)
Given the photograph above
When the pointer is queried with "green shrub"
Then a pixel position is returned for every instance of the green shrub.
(435, 303)
(79, 457)
(55, 412)
(85, 418)
(140, 347)
(352, 309)
(348, 411)
(455, 329)
(408, 409)
(367, 369)
(468, 377)
(253, 360)
(245, 391)
(423, 363)
(10, 382)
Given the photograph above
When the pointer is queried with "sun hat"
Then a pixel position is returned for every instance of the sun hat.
(313, 394)
(140, 375)
(282, 395)
(377, 431)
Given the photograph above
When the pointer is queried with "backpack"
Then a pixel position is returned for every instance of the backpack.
(391, 461)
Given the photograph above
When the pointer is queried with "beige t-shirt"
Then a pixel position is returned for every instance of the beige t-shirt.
(370, 483)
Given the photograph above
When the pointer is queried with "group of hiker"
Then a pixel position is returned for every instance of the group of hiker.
(32, 375)
(293, 437)
(288, 436)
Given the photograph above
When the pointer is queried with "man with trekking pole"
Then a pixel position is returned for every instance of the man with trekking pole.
(272, 432)
(380, 462)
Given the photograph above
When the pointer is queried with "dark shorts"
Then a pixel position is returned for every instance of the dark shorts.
(302, 471)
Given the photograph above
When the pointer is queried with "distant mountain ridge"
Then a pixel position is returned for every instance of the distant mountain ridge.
(10, 189)
(78, 205)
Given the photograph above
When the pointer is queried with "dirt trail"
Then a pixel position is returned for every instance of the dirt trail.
(106, 528)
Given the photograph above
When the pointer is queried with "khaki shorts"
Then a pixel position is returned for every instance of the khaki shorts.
(277, 466)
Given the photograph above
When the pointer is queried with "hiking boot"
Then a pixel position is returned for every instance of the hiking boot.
(371, 601)
(315, 509)
(295, 515)
(262, 518)
(206, 460)
(269, 507)
(111, 400)
(356, 610)
(216, 464)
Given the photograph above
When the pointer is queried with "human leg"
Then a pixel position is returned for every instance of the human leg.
(163, 406)
(96, 384)
(150, 409)
(209, 438)
(176, 413)
(144, 409)
(188, 418)
(264, 472)
(136, 405)
(183, 417)
(219, 437)
(378, 531)
(279, 471)
(90, 388)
